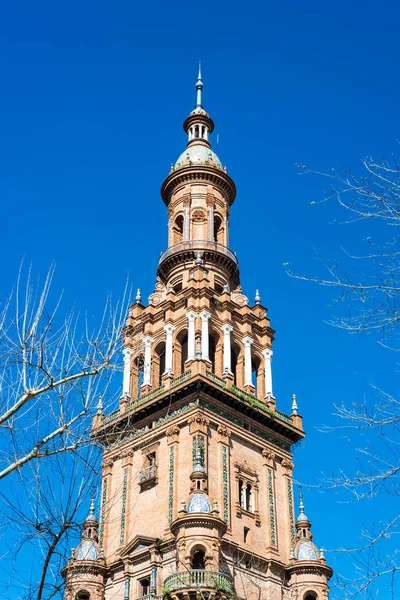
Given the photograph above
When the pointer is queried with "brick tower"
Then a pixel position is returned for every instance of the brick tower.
(197, 495)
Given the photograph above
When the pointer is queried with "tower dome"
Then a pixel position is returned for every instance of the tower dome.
(198, 154)
(199, 503)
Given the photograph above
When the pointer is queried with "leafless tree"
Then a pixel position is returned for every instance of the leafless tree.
(371, 291)
(53, 371)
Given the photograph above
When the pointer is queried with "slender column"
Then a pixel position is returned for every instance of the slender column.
(169, 329)
(227, 348)
(247, 341)
(211, 223)
(186, 224)
(191, 316)
(205, 316)
(126, 384)
(267, 354)
(147, 360)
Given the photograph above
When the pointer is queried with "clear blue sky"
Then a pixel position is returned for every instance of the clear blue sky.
(92, 103)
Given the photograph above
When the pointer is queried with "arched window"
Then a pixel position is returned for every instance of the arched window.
(180, 352)
(218, 230)
(83, 595)
(138, 375)
(177, 230)
(256, 376)
(159, 362)
(198, 560)
(310, 596)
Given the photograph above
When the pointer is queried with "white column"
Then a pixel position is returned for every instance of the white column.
(267, 354)
(186, 224)
(126, 383)
(191, 316)
(247, 341)
(169, 329)
(147, 360)
(227, 348)
(211, 223)
(204, 316)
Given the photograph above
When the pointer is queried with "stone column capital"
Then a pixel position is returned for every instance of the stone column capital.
(247, 341)
(148, 340)
(227, 329)
(191, 315)
(267, 353)
(169, 328)
(127, 352)
(205, 315)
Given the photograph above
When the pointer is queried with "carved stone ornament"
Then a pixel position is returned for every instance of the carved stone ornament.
(269, 457)
(198, 216)
(287, 467)
(224, 434)
(107, 463)
(127, 456)
(245, 468)
(173, 434)
(186, 200)
(170, 213)
(198, 422)
(210, 201)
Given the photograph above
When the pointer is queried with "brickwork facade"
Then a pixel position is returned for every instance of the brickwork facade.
(197, 493)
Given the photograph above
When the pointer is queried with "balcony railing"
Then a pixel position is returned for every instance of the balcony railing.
(198, 245)
(147, 474)
(199, 578)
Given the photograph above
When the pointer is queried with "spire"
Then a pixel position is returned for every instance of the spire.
(199, 88)
(302, 516)
(295, 408)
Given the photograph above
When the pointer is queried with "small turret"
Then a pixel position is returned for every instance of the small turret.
(84, 573)
(308, 572)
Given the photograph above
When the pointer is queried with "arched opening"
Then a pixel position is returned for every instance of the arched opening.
(83, 595)
(310, 596)
(137, 375)
(196, 131)
(159, 363)
(218, 230)
(199, 560)
(256, 376)
(249, 498)
(235, 350)
(177, 230)
(180, 352)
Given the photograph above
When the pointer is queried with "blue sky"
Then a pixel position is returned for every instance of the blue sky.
(93, 99)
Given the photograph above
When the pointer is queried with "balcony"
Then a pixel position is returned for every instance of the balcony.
(199, 579)
(198, 245)
(148, 474)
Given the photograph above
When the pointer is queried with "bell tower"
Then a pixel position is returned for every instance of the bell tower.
(197, 493)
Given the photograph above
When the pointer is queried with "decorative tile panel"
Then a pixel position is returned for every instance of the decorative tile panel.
(171, 483)
(123, 510)
(103, 512)
(225, 482)
(271, 501)
(291, 513)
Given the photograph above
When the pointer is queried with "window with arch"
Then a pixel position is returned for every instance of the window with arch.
(138, 375)
(159, 362)
(177, 230)
(246, 491)
(218, 230)
(82, 595)
(198, 560)
(310, 596)
(257, 376)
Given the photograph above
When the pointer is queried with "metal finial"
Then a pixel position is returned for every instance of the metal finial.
(295, 408)
(100, 406)
(199, 87)
(301, 503)
(91, 510)
(321, 553)
(199, 260)
(138, 297)
(257, 298)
